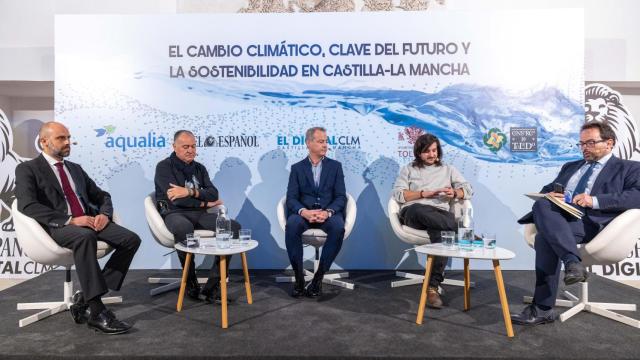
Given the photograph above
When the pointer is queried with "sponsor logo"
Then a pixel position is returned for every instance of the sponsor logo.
(124, 143)
(236, 141)
(494, 139)
(523, 139)
(107, 129)
(406, 139)
(335, 141)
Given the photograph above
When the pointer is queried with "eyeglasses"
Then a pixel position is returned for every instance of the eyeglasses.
(589, 143)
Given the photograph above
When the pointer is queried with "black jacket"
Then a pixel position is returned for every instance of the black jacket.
(167, 174)
(40, 195)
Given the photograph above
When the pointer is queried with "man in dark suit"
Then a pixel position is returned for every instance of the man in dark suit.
(77, 213)
(184, 192)
(603, 187)
(316, 198)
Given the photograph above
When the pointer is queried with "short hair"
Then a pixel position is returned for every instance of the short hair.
(423, 142)
(180, 132)
(308, 135)
(606, 131)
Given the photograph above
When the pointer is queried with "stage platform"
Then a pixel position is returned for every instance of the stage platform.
(372, 321)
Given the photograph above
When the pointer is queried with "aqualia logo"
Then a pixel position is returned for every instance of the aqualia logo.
(124, 143)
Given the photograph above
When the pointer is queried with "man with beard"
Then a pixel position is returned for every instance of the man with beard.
(77, 213)
(602, 187)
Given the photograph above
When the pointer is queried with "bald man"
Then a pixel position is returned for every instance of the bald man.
(60, 196)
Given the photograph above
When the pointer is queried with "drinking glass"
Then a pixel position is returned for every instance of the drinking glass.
(223, 238)
(489, 240)
(448, 239)
(245, 236)
(193, 240)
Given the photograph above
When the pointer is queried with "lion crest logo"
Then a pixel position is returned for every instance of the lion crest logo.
(603, 104)
(494, 139)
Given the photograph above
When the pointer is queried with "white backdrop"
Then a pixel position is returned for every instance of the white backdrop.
(119, 90)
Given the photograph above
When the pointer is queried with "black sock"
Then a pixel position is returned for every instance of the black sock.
(96, 305)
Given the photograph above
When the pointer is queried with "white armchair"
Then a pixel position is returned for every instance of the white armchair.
(316, 238)
(165, 238)
(416, 238)
(41, 248)
(611, 245)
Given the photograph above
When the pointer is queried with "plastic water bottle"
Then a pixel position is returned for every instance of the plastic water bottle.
(223, 229)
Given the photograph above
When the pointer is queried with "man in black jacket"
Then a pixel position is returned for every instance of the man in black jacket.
(77, 213)
(184, 192)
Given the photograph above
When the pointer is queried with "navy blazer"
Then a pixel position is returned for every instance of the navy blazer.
(40, 195)
(617, 188)
(302, 192)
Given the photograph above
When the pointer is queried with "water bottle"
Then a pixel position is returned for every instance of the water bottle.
(465, 229)
(223, 229)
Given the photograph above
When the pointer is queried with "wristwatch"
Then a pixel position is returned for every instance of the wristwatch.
(330, 212)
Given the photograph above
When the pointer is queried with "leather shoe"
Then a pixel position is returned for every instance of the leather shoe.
(575, 272)
(193, 291)
(298, 289)
(107, 323)
(79, 310)
(213, 296)
(532, 315)
(314, 289)
(433, 298)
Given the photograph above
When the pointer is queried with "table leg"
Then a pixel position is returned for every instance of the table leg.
(503, 298)
(425, 285)
(183, 283)
(247, 284)
(467, 285)
(223, 289)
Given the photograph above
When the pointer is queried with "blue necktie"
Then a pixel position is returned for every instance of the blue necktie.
(582, 183)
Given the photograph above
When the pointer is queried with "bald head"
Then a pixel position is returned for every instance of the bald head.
(55, 140)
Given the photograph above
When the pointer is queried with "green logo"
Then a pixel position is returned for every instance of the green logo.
(494, 139)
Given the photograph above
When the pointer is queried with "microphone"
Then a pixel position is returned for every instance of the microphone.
(74, 143)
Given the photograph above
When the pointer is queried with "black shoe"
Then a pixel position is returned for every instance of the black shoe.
(193, 291)
(107, 323)
(575, 272)
(79, 310)
(314, 289)
(212, 295)
(532, 315)
(298, 289)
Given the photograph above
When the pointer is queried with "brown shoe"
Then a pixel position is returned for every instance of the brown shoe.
(433, 298)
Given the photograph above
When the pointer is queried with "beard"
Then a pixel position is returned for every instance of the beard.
(61, 152)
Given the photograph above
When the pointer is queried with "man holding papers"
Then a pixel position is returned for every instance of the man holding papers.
(602, 187)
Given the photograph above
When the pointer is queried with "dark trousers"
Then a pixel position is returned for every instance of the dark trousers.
(83, 241)
(181, 223)
(296, 225)
(433, 220)
(557, 237)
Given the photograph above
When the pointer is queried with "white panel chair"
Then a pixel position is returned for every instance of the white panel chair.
(612, 245)
(416, 238)
(165, 238)
(317, 238)
(41, 248)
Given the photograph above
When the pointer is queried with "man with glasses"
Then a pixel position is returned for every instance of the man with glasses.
(602, 187)
(184, 192)
(316, 198)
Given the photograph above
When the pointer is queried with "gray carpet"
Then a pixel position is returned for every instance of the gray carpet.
(372, 321)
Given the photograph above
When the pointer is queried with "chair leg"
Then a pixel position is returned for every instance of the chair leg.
(53, 307)
(582, 303)
(415, 279)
